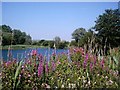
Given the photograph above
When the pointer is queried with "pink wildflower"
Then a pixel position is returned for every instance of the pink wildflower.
(8, 63)
(29, 75)
(40, 57)
(91, 66)
(85, 61)
(40, 68)
(86, 58)
(34, 52)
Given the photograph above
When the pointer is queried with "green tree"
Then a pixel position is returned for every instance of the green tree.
(40, 42)
(6, 39)
(6, 35)
(15, 36)
(28, 40)
(57, 41)
(87, 38)
(63, 44)
(6, 28)
(78, 34)
(21, 37)
(73, 43)
(108, 27)
(18, 37)
(45, 43)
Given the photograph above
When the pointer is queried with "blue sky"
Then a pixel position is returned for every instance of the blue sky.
(45, 20)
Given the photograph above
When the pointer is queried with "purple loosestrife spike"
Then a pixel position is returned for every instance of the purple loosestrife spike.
(86, 58)
(85, 61)
(40, 68)
(34, 52)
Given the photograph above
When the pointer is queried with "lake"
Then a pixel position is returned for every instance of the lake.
(22, 53)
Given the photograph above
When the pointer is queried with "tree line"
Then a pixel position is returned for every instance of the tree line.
(14, 36)
(106, 32)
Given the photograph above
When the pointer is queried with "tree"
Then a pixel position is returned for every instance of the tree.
(63, 44)
(87, 38)
(28, 40)
(6, 35)
(73, 43)
(57, 41)
(6, 28)
(78, 34)
(15, 36)
(18, 39)
(108, 27)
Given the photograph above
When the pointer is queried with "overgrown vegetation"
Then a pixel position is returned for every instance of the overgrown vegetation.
(79, 68)
(92, 60)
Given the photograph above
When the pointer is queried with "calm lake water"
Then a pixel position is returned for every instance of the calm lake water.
(22, 53)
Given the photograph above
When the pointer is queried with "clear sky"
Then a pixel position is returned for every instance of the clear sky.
(45, 20)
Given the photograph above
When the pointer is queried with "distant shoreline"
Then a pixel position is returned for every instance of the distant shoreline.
(21, 47)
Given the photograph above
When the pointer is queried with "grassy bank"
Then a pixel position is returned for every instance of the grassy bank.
(22, 46)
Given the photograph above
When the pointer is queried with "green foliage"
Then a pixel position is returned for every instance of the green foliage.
(57, 41)
(78, 34)
(84, 39)
(14, 37)
(73, 43)
(108, 27)
(50, 43)
(6, 39)
(16, 83)
(88, 36)
(6, 28)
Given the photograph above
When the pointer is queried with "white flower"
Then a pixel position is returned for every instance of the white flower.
(19, 75)
(69, 85)
(29, 81)
(89, 82)
(86, 85)
(34, 73)
(83, 77)
(29, 75)
(110, 82)
(56, 87)
(48, 86)
(98, 74)
(62, 86)
(52, 78)
(106, 77)
(84, 81)
(73, 86)
(22, 66)
(94, 82)
(79, 78)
